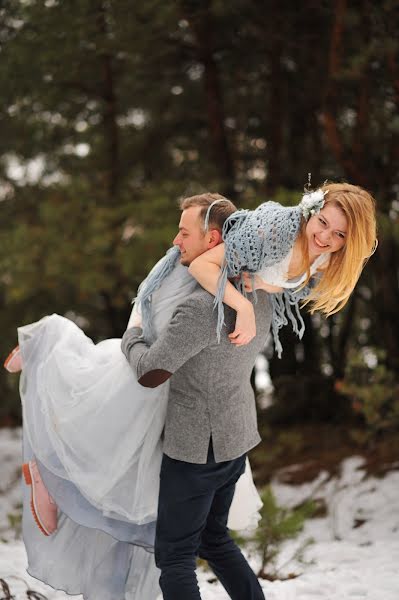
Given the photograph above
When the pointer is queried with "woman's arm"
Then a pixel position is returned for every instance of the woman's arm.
(206, 270)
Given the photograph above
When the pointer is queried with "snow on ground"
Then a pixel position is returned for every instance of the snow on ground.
(355, 554)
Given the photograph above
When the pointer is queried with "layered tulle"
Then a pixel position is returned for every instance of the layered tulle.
(96, 434)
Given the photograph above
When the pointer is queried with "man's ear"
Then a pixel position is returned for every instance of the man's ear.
(215, 238)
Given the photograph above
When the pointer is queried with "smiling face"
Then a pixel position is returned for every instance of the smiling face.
(191, 239)
(326, 231)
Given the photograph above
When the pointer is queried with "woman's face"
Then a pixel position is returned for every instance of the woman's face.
(326, 231)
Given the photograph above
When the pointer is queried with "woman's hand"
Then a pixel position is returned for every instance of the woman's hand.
(260, 284)
(245, 329)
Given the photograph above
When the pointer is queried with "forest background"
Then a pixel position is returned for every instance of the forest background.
(110, 110)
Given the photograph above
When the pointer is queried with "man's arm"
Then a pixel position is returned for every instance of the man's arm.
(186, 335)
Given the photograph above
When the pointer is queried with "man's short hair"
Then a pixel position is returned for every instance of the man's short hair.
(219, 212)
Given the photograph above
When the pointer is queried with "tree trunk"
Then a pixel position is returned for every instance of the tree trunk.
(338, 347)
(329, 113)
(387, 316)
(275, 136)
(108, 95)
(201, 23)
(311, 361)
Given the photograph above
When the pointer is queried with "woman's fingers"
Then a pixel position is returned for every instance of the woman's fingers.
(240, 342)
(240, 338)
(247, 282)
(245, 327)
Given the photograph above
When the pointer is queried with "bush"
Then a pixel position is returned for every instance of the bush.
(373, 390)
(278, 524)
(305, 399)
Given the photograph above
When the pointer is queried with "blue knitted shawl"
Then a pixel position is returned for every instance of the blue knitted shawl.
(253, 239)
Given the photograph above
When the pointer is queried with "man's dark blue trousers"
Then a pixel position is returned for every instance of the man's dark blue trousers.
(194, 503)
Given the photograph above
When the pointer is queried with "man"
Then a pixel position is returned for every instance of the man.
(210, 424)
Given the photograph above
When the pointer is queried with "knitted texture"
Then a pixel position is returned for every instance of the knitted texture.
(257, 239)
(261, 237)
(253, 239)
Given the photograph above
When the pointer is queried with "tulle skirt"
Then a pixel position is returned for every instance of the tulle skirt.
(96, 434)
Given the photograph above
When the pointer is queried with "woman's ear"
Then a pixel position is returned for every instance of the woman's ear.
(215, 238)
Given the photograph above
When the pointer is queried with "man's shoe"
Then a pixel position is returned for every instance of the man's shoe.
(13, 362)
(43, 507)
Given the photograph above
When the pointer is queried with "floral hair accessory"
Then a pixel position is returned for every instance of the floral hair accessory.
(312, 202)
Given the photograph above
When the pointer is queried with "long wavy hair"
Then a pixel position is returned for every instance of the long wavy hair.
(337, 281)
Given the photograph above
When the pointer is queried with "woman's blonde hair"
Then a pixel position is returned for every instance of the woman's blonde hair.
(337, 281)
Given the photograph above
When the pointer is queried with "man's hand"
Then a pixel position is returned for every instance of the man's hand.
(245, 329)
(135, 318)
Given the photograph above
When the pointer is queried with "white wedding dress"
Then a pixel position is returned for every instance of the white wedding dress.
(96, 434)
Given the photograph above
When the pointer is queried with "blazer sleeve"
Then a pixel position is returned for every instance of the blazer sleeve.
(187, 333)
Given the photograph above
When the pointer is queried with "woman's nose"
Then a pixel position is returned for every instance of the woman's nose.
(325, 236)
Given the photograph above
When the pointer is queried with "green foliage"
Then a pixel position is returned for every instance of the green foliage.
(373, 389)
(279, 444)
(112, 110)
(277, 525)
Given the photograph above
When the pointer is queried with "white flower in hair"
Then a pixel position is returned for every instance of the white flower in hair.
(312, 203)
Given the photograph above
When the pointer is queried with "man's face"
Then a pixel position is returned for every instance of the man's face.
(191, 239)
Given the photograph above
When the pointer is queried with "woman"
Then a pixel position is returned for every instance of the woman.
(315, 252)
(322, 242)
(95, 434)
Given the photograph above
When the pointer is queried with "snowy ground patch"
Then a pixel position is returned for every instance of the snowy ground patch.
(355, 554)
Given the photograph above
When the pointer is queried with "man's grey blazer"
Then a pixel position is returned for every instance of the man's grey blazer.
(210, 391)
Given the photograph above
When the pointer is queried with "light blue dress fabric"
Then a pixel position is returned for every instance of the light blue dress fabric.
(96, 435)
(89, 554)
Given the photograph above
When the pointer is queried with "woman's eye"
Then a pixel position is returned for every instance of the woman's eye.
(322, 221)
(340, 235)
